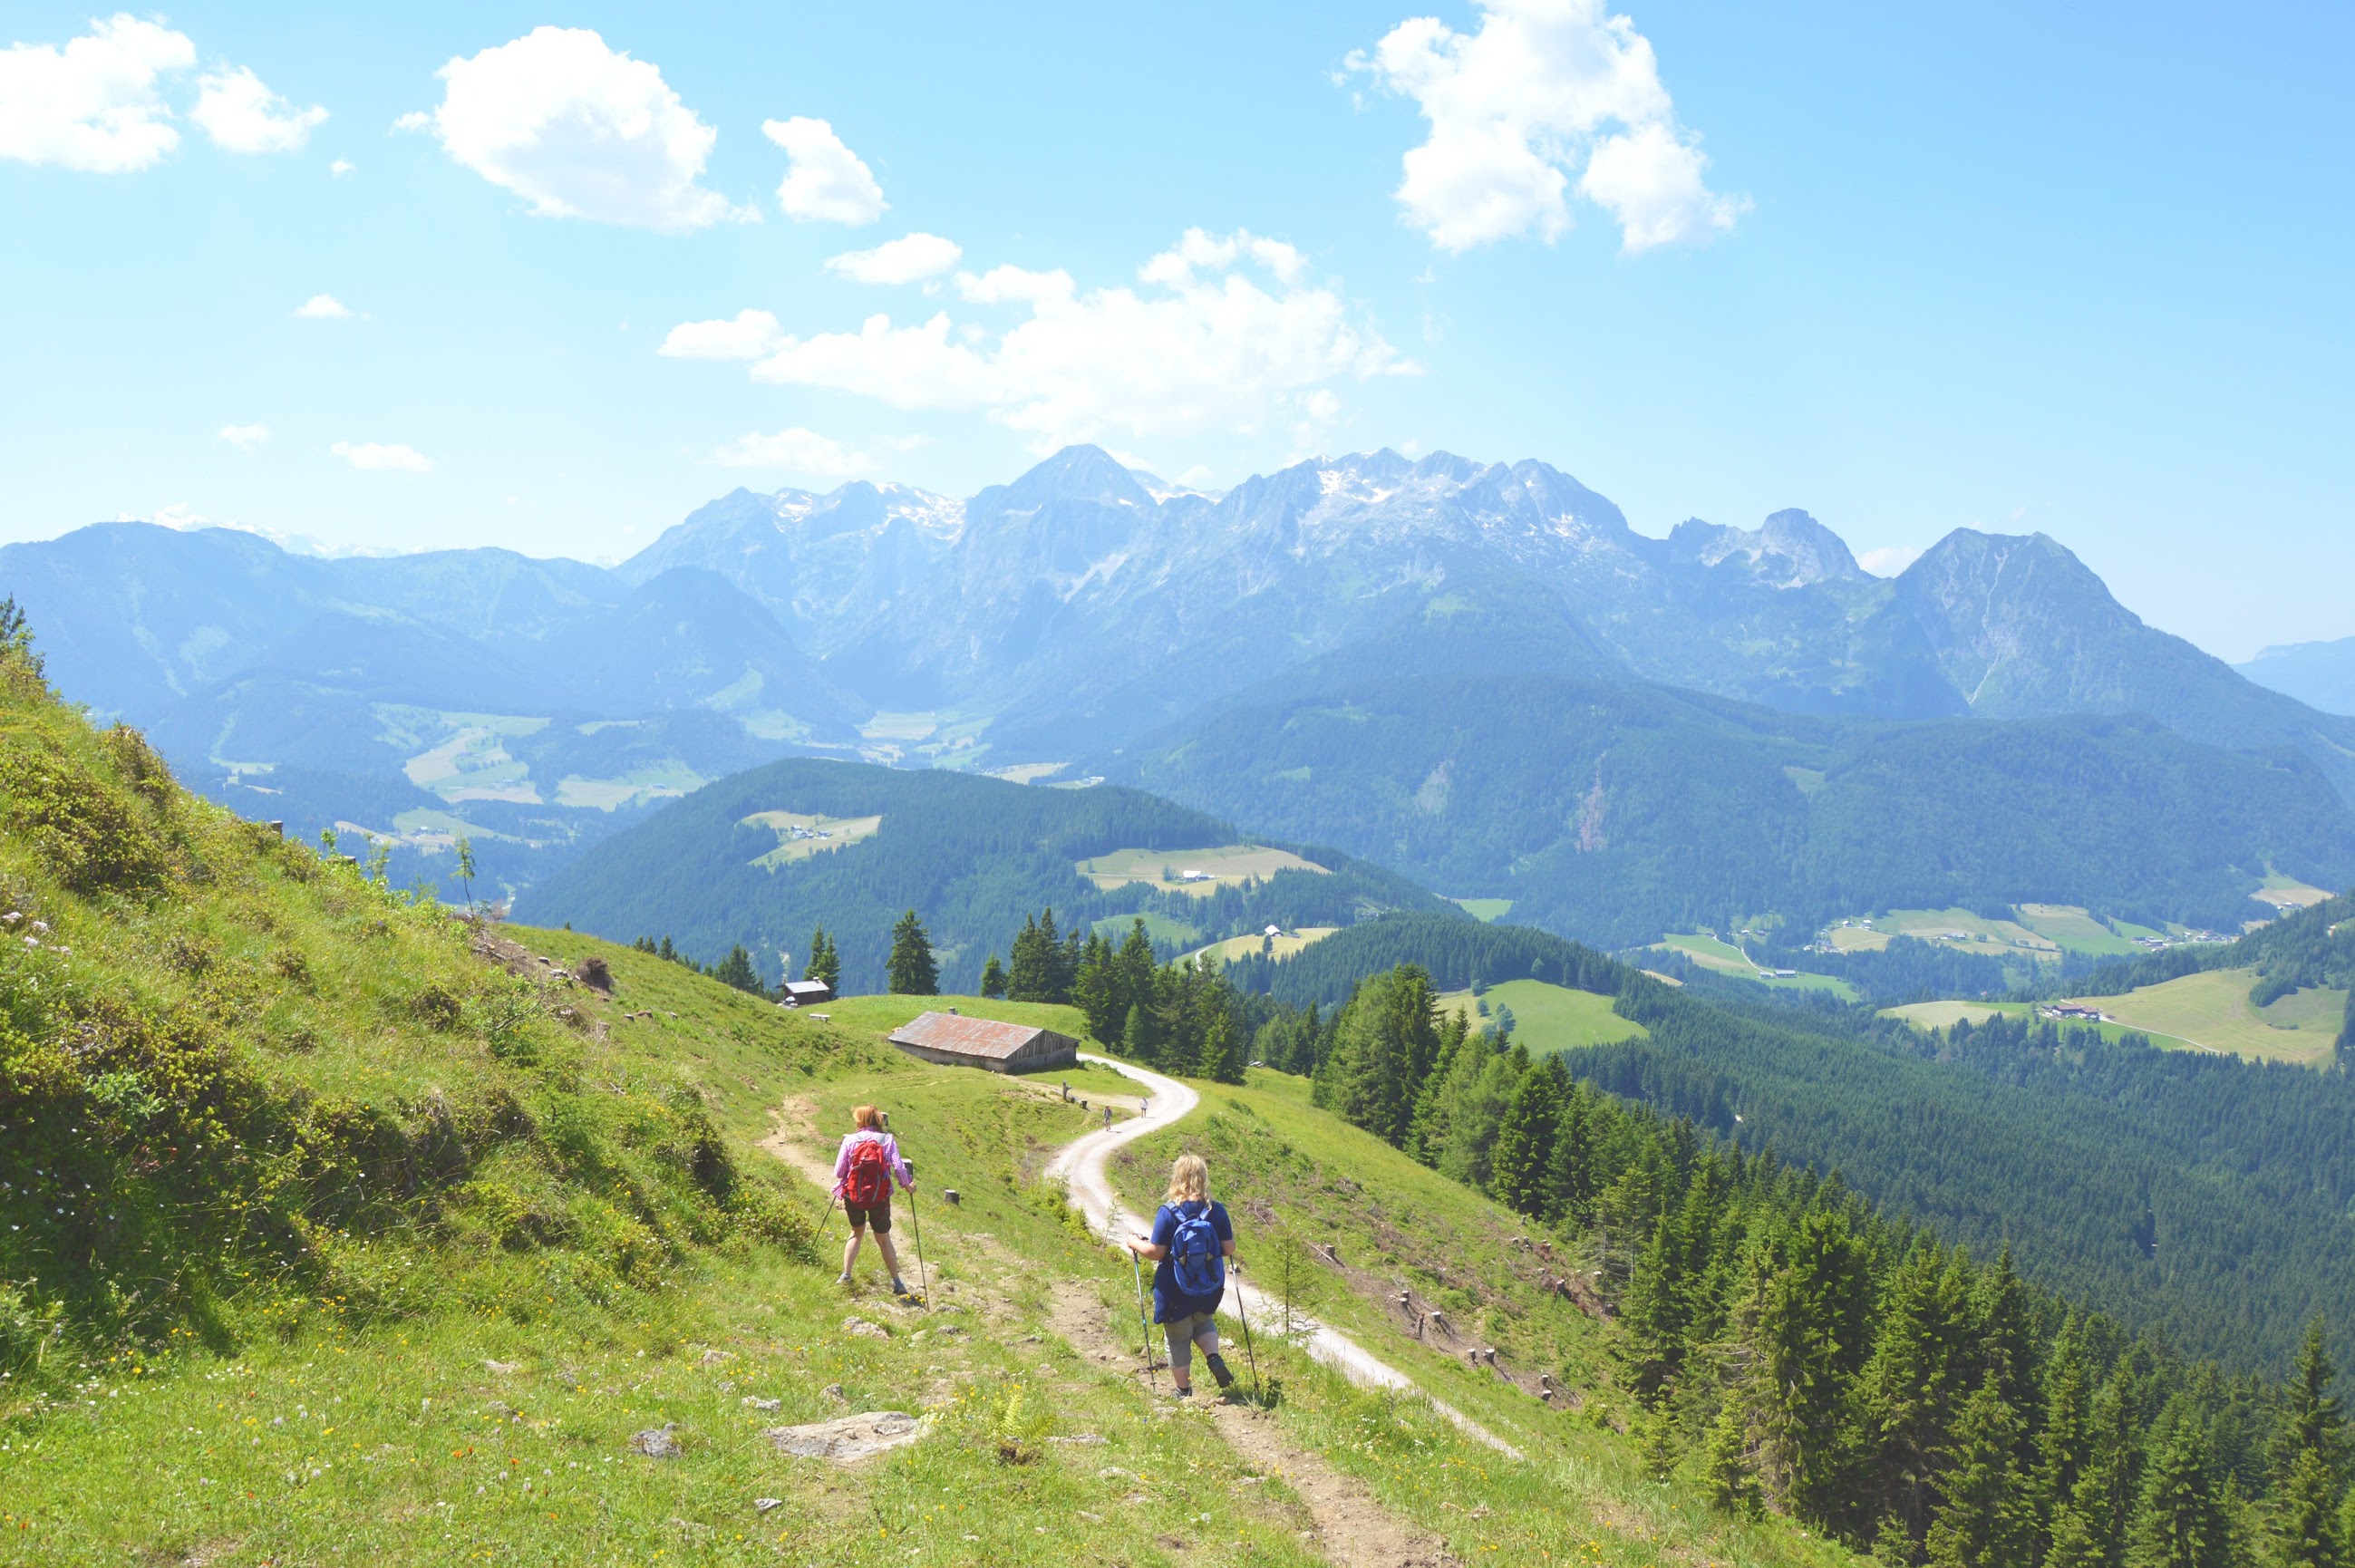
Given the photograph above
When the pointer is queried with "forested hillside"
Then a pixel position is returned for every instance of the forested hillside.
(971, 855)
(1793, 1344)
(2117, 1182)
(1618, 813)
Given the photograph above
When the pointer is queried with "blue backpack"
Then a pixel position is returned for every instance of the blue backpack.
(1198, 1258)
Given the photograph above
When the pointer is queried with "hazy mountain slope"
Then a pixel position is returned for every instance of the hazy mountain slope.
(1615, 812)
(2022, 628)
(971, 856)
(2320, 674)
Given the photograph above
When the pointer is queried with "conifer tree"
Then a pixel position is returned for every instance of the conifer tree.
(1029, 973)
(736, 970)
(824, 963)
(1985, 1522)
(1525, 1143)
(1136, 1036)
(911, 972)
(2182, 1522)
(1222, 1060)
(1919, 1377)
(2309, 1459)
(1813, 1340)
(992, 977)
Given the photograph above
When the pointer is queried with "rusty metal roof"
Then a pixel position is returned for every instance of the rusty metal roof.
(984, 1038)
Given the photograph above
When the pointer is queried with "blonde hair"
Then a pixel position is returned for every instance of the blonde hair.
(869, 1117)
(1190, 1181)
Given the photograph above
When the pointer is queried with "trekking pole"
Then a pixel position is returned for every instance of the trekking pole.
(1259, 1389)
(924, 1287)
(1143, 1327)
(824, 1223)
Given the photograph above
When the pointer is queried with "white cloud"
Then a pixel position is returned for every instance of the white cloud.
(378, 458)
(241, 115)
(908, 260)
(751, 335)
(339, 168)
(246, 437)
(93, 104)
(1890, 559)
(1227, 334)
(824, 179)
(1539, 87)
(323, 308)
(797, 451)
(579, 130)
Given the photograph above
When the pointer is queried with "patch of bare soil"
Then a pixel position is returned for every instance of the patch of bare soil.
(1347, 1522)
(793, 1139)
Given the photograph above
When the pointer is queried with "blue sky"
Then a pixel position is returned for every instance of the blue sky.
(2076, 270)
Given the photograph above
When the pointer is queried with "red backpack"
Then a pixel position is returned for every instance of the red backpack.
(867, 1182)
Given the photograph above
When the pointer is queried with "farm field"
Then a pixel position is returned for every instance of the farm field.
(1548, 1018)
(1972, 934)
(1489, 911)
(2075, 930)
(2287, 893)
(1727, 959)
(1165, 932)
(1285, 943)
(801, 835)
(2211, 1012)
(1947, 1015)
(1229, 864)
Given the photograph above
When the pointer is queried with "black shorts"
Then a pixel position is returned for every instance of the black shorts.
(879, 1216)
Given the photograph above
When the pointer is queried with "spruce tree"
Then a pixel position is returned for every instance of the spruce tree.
(1030, 976)
(823, 964)
(1525, 1143)
(1136, 1036)
(2309, 1459)
(1985, 1522)
(992, 977)
(1813, 1336)
(1222, 1057)
(2181, 1520)
(736, 970)
(911, 972)
(1919, 1377)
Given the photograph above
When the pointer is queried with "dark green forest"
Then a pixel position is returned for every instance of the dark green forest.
(1615, 812)
(2202, 1196)
(971, 856)
(1795, 1345)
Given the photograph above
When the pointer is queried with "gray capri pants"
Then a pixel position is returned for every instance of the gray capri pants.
(1185, 1333)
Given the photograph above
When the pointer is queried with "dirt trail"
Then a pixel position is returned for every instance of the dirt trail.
(1082, 1165)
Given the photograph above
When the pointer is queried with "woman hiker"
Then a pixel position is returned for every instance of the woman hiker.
(1191, 1241)
(863, 1173)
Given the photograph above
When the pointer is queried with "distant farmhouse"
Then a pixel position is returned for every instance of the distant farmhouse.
(805, 993)
(954, 1041)
(2072, 1010)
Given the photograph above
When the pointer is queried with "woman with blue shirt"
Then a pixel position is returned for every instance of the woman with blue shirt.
(1191, 1243)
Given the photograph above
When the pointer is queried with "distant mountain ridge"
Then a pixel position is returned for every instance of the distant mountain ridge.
(2320, 674)
(1065, 616)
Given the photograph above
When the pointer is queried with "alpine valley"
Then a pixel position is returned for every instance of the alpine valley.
(1477, 675)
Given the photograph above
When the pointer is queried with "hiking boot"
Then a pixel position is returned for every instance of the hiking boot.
(899, 1287)
(1182, 1393)
(842, 1279)
(1219, 1370)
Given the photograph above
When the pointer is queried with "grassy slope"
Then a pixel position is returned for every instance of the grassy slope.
(1710, 953)
(1548, 1018)
(1286, 1168)
(2211, 1009)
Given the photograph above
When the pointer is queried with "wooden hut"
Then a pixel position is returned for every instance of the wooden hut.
(954, 1041)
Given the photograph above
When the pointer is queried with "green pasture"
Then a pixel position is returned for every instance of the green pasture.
(1548, 1018)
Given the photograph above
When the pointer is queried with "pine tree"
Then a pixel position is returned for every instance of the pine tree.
(2182, 1522)
(1095, 988)
(1384, 1042)
(1732, 1478)
(911, 972)
(992, 977)
(1918, 1378)
(1985, 1522)
(1222, 1060)
(1030, 974)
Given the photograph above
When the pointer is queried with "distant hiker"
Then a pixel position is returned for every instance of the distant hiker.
(1191, 1241)
(863, 1173)
(1107, 1117)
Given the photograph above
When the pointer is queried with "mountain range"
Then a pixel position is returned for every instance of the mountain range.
(1073, 619)
(2320, 674)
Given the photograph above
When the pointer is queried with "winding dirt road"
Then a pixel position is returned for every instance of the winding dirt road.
(1082, 1165)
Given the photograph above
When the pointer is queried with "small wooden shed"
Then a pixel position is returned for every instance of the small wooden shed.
(954, 1041)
